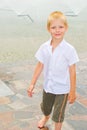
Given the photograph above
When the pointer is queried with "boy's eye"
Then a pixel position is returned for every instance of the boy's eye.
(61, 26)
(56, 27)
(53, 27)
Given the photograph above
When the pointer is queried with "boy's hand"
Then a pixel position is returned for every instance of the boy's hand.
(30, 90)
(72, 97)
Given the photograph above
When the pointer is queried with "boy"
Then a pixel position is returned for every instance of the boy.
(57, 59)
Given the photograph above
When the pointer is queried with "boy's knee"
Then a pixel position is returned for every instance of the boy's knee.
(47, 117)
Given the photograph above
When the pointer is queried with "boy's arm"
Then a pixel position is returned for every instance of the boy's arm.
(37, 72)
(72, 93)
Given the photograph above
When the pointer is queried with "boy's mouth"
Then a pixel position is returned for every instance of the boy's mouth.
(57, 34)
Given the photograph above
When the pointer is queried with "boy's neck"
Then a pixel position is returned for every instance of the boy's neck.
(56, 42)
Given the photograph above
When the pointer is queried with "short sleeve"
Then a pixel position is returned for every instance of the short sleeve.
(72, 56)
(39, 54)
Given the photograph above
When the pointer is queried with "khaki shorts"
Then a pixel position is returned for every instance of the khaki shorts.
(57, 102)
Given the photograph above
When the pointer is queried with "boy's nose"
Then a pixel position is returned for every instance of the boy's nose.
(57, 29)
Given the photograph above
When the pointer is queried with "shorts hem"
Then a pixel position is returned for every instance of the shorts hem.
(57, 121)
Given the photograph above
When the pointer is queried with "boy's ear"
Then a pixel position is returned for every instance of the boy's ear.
(48, 30)
(66, 28)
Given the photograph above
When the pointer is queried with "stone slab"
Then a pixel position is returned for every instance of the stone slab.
(5, 90)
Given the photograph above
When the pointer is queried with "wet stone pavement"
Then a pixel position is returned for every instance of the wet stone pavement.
(19, 112)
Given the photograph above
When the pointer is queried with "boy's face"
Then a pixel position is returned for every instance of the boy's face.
(57, 29)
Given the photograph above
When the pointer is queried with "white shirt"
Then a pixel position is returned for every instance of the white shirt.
(56, 66)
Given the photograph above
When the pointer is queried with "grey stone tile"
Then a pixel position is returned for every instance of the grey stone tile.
(17, 105)
(27, 101)
(23, 92)
(82, 91)
(4, 108)
(4, 89)
(24, 125)
(20, 96)
(77, 109)
(19, 84)
(13, 98)
(23, 115)
(78, 125)
(22, 75)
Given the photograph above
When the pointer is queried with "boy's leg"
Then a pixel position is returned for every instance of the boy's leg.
(43, 121)
(46, 106)
(59, 110)
(58, 126)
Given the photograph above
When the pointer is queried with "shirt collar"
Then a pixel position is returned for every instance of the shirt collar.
(61, 43)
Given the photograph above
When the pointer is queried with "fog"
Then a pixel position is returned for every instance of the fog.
(39, 6)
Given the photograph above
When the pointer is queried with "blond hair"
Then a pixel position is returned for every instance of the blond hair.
(56, 15)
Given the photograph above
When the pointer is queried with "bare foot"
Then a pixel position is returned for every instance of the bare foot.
(43, 121)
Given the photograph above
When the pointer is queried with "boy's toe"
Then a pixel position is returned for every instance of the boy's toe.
(43, 128)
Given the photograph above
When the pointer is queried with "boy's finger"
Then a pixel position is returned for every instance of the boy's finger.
(30, 93)
(72, 100)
